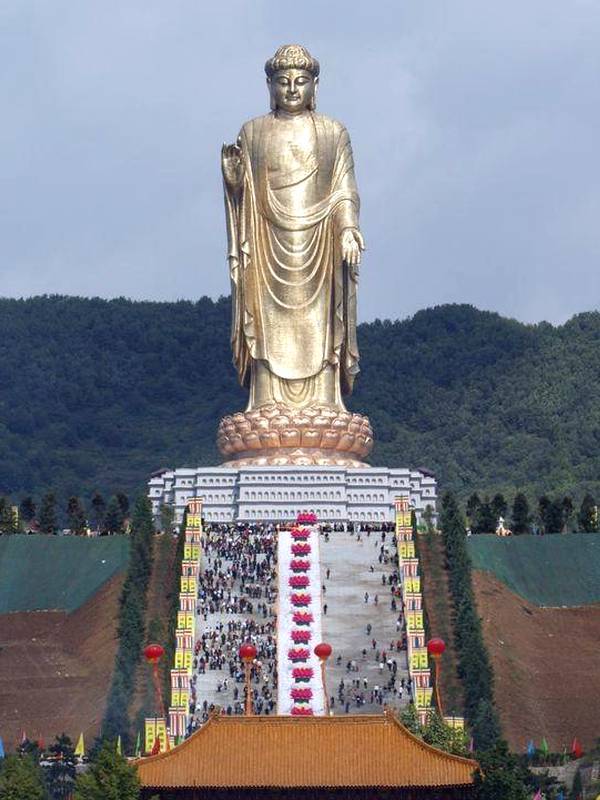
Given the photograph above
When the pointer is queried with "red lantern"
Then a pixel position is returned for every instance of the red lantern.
(323, 651)
(436, 647)
(247, 652)
(153, 653)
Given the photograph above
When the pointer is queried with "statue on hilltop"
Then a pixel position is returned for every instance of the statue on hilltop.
(294, 249)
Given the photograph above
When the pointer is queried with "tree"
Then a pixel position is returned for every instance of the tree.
(21, 779)
(123, 502)
(485, 518)
(109, 778)
(114, 518)
(98, 509)
(47, 521)
(486, 726)
(501, 775)
(428, 515)
(167, 515)
(567, 512)
(76, 515)
(551, 513)
(521, 522)
(588, 515)
(410, 719)
(60, 775)
(473, 504)
(499, 506)
(27, 509)
(437, 733)
(8, 519)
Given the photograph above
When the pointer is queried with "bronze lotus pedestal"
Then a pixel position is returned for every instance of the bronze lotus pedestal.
(276, 435)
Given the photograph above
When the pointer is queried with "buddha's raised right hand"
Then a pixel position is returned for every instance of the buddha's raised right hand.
(232, 166)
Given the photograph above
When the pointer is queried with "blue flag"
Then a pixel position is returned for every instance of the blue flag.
(1, 748)
(530, 748)
(560, 795)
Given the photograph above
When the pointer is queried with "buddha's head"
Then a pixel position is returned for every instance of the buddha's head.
(292, 78)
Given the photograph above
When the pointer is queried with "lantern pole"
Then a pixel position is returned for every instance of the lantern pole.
(323, 651)
(248, 676)
(247, 653)
(438, 675)
(435, 648)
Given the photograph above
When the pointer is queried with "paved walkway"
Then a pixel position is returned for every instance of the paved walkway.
(355, 570)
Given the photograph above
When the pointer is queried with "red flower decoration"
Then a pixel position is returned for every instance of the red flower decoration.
(301, 548)
(302, 673)
(301, 695)
(300, 533)
(301, 711)
(299, 581)
(302, 617)
(298, 654)
(299, 565)
(307, 518)
(301, 599)
(301, 637)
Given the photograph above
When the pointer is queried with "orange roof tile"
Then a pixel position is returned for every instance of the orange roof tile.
(351, 751)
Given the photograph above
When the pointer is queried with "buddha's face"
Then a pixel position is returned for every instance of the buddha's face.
(292, 90)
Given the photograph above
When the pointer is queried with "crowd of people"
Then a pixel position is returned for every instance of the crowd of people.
(236, 603)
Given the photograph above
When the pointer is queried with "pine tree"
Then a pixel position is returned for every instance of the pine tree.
(98, 509)
(521, 522)
(47, 521)
(76, 515)
(486, 727)
(501, 776)
(473, 504)
(499, 506)
(8, 519)
(485, 519)
(123, 502)
(27, 509)
(21, 779)
(60, 775)
(109, 778)
(588, 515)
(567, 513)
(114, 518)
(410, 719)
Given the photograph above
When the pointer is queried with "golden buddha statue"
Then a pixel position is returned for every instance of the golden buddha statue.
(294, 248)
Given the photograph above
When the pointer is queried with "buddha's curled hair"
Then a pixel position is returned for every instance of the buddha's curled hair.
(292, 56)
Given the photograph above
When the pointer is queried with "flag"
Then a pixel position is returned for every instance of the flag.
(530, 748)
(576, 749)
(560, 795)
(537, 795)
(23, 737)
(2, 754)
(80, 749)
(41, 743)
(544, 746)
(138, 745)
(119, 748)
(471, 745)
(156, 747)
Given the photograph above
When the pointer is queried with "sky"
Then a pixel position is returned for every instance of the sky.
(475, 128)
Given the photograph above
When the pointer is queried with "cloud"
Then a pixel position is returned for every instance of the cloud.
(473, 124)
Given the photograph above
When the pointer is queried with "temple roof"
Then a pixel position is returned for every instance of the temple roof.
(350, 751)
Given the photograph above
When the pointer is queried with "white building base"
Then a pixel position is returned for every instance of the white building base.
(276, 494)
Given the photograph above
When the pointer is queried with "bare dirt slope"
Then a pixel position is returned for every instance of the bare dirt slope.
(546, 665)
(55, 668)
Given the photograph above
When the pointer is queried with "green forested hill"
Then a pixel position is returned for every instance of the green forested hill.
(97, 394)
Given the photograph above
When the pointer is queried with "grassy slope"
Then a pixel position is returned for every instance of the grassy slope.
(56, 572)
(553, 571)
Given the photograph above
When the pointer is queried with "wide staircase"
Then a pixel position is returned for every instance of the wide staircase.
(361, 623)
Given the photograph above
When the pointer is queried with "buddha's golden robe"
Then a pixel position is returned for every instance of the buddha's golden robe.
(294, 300)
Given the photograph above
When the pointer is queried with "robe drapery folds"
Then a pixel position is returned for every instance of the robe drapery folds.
(294, 300)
